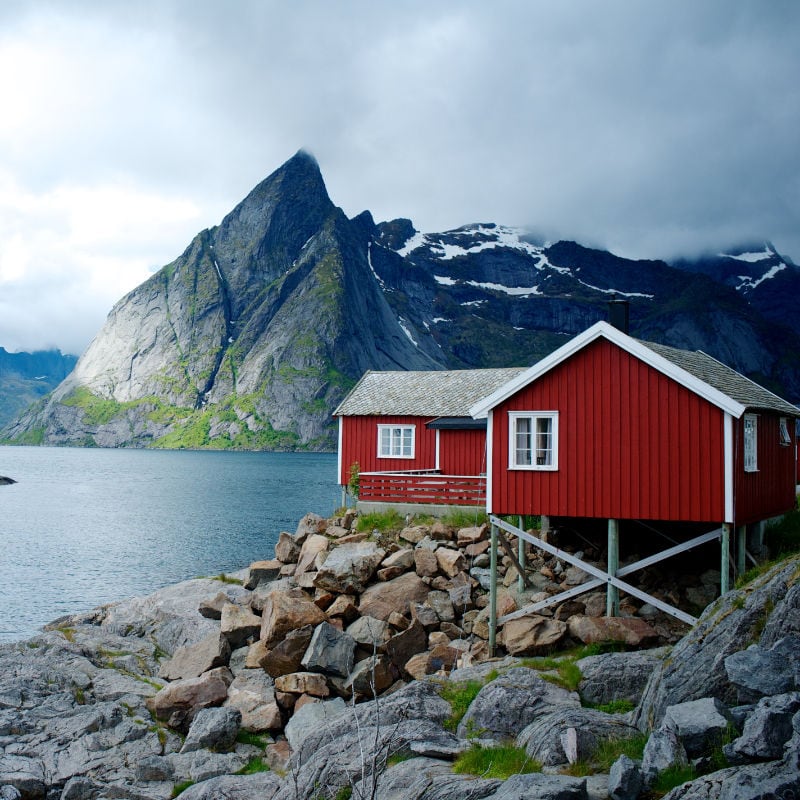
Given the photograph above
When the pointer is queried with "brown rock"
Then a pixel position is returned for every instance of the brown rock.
(212, 609)
(425, 615)
(445, 657)
(313, 545)
(277, 756)
(343, 606)
(451, 630)
(451, 562)
(406, 644)
(532, 635)
(354, 537)
(441, 603)
(369, 632)
(195, 659)
(371, 676)
(440, 532)
(303, 683)
(419, 665)
(348, 567)
(323, 599)
(632, 631)
(477, 549)
(286, 700)
(304, 700)
(568, 609)
(389, 573)
(255, 653)
(178, 702)
(381, 599)
(468, 536)
(262, 572)
(425, 562)
(283, 613)
(310, 524)
(238, 625)
(306, 580)
(414, 534)
(403, 558)
(287, 655)
(253, 695)
(287, 549)
(436, 638)
(398, 621)
(287, 570)
(336, 531)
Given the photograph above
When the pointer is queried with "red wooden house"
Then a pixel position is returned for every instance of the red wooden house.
(410, 437)
(611, 427)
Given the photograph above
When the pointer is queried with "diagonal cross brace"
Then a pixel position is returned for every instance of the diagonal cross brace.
(601, 577)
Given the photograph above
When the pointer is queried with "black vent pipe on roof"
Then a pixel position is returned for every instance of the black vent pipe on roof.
(619, 313)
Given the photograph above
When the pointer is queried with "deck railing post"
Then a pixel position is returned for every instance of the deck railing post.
(741, 544)
(612, 593)
(725, 548)
(521, 559)
(493, 592)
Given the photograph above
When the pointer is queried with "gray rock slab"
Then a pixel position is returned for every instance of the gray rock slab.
(330, 651)
(663, 750)
(624, 779)
(348, 568)
(542, 787)
(699, 723)
(504, 707)
(213, 728)
(617, 676)
(309, 719)
(758, 673)
(263, 785)
(193, 660)
(543, 737)
(768, 728)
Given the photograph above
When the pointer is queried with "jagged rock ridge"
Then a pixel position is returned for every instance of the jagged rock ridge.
(254, 334)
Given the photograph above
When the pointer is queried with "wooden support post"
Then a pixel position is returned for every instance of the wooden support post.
(725, 547)
(741, 549)
(544, 525)
(493, 592)
(521, 558)
(612, 593)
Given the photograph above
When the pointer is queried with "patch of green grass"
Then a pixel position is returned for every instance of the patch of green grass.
(462, 518)
(399, 758)
(253, 766)
(569, 676)
(608, 751)
(613, 707)
(672, 777)
(67, 633)
(382, 521)
(783, 537)
(223, 578)
(79, 695)
(254, 739)
(459, 696)
(500, 762)
(181, 787)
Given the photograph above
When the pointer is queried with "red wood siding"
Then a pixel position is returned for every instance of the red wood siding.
(360, 444)
(771, 490)
(633, 444)
(462, 452)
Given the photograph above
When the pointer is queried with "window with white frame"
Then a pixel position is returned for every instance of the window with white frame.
(533, 440)
(785, 438)
(750, 443)
(396, 441)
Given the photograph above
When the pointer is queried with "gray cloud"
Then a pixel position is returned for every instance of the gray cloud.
(653, 129)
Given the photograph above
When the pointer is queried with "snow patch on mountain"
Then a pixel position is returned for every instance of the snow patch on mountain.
(747, 283)
(615, 291)
(751, 258)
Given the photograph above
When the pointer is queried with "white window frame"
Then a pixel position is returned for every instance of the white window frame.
(392, 445)
(533, 418)
(783, 433)
(750, 437)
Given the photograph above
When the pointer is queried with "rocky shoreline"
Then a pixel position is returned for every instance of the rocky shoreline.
(329, 672)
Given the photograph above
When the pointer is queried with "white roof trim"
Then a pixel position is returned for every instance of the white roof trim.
(627, 343)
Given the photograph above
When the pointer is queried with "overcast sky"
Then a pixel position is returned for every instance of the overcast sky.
(649, 128)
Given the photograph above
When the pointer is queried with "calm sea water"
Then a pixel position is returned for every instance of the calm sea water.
(84, 527)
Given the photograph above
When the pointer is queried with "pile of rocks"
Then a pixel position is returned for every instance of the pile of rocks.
(139, 697)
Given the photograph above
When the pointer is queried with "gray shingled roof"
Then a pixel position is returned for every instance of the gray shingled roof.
(433, 393)
(724, 379)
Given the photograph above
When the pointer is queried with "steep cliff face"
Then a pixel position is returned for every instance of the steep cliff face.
(254, 334)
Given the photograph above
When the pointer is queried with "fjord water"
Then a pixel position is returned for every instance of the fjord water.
(83, 527)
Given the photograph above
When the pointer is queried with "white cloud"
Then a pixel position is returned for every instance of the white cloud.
(126, 128)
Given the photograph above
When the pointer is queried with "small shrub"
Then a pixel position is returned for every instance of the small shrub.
(459, 696)
(353, 483)
(500, 762)
(254, 739)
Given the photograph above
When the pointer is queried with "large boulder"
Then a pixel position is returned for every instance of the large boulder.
(543, 738)
(195, 659)
(617, 676)
(238, 625)
(758, 673)
(542, 787)
(287, 655)
(330, 651)
(348, 568)
(312, 547)
(287, 611)
(178, 702)
(762, 613)
(381, 599)
(700, 724)
(532, 635)
(509, 703)
(213, 728)
(252, 694)
(630, 631)
(767, 729)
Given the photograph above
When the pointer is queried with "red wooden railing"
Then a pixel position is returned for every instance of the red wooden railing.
(429, 488)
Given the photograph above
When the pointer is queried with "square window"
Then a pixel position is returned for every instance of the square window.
(533, 440)
(396, 441)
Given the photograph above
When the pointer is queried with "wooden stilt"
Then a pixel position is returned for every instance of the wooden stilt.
(612, 593)
(725, 547)
(741, 549)
(521, 582)
(493, 592)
